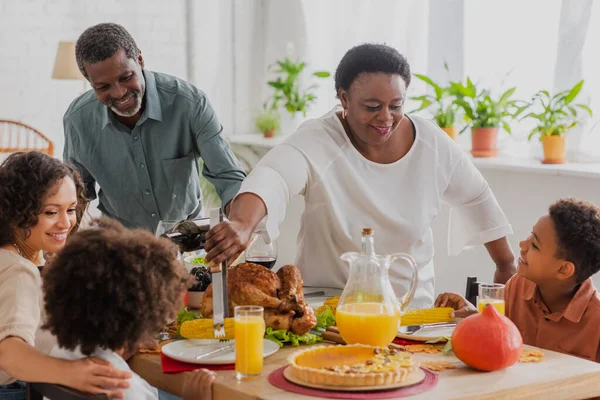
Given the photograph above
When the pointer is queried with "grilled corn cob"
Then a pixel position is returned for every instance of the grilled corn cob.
(203, 329)
(427, 316)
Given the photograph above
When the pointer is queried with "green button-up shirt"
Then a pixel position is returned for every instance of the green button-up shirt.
(151, 172)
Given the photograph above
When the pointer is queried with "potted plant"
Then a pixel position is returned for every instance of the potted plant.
(444, 107)
(267, 122)
(287, 93)
(485, 115)
(555, 116)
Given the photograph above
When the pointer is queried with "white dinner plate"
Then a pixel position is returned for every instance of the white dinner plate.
(188, 349)
(428, 333)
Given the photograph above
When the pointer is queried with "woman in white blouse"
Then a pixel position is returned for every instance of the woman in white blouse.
(368, 165)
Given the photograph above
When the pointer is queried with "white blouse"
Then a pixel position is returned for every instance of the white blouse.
(344, 192)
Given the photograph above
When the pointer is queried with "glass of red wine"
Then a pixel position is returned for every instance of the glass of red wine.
(260, 252)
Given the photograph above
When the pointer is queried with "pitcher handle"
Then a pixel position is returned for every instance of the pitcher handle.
(413, 282)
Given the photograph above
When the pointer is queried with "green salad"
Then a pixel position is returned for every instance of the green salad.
(198, 261)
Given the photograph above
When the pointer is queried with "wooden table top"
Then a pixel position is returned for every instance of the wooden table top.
(558, 376)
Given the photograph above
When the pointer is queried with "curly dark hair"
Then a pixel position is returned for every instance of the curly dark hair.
(370, 57)
(111, 287)
(102, 41)
(577, 225)
(26, 180)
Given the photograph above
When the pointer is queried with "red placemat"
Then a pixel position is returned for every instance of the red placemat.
(277, 379)
(170, 366)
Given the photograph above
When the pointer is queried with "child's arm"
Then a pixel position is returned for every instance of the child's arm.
(198, 385)
(460, 304)
(91, 375)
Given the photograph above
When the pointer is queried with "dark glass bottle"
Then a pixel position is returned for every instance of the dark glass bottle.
(189, 235)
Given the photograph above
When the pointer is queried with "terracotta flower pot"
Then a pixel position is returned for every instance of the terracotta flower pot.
(554, 149)
(269, 134)
(451, 131)
(483, 142)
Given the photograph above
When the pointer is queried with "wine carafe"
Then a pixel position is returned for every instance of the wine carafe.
(189, 235)
(369, 311)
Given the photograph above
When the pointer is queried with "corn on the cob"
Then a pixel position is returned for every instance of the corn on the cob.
(203, 329)
(427, 316)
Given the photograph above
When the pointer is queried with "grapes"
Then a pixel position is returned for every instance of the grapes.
(203, 278)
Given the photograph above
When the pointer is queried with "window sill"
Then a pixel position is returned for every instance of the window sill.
(500, 163)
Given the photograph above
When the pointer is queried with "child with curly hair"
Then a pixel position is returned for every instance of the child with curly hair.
(111, 288)
(41, 204)
(552, 299)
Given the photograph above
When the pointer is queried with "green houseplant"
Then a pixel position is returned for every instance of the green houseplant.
(441, 103)
(267, 122)
(485, 115)
(287, 86)
(555, 115)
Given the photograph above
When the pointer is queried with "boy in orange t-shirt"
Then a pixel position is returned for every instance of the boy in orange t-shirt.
(552, 299)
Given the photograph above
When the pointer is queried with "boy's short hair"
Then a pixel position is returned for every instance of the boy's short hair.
(577, 225)
(111, 287)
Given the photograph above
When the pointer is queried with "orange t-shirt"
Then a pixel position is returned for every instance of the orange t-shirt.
(574, 331)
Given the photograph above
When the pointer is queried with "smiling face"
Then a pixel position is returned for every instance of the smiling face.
(57, 218)
(538, 261)
(119, 83)
(375, 106)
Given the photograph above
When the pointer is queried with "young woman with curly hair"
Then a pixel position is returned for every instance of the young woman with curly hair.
(131, 287)
(41, 203)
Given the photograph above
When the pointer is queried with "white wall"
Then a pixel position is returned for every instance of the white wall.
(524, 198)
(31, 29)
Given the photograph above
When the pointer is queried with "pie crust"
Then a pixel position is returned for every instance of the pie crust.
(351, 365)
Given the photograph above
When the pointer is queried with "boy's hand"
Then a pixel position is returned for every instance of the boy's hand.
(198, 385)
(460, 304)
(94, 375)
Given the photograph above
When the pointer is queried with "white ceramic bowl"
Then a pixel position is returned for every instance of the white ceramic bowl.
(188, 260)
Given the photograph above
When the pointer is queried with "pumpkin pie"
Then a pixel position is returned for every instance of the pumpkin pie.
(351, 365)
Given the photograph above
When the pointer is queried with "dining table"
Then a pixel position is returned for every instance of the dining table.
(556, 376)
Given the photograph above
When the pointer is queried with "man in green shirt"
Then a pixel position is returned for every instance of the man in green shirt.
(139, 135)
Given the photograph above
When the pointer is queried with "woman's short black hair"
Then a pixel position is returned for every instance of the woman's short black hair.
(370, 57)
(110, 287)
(102, 41)
(577, 226)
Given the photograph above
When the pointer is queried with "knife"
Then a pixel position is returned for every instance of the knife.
(411, 329)
(219, 282)
(213, 352)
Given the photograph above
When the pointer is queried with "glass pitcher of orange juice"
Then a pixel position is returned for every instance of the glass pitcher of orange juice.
(369, 311)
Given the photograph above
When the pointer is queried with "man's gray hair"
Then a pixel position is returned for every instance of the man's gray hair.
(102, 41)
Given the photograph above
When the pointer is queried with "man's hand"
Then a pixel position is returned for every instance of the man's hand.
(460, 304)
(226, 241)
(198, 385)
(94, 375)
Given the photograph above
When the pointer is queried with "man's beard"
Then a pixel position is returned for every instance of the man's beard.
(137, 98)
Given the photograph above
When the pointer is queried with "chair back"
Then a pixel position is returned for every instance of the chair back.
(472, 290)
(37, 391)
(16, 136)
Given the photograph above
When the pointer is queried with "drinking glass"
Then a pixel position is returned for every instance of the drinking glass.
(491, 293)
(165, 226)
(249, 333)
(261, 252)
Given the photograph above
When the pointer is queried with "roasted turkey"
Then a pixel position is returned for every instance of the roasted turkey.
(279, 293)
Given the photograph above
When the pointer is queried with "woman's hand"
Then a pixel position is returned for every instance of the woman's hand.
(94, 375)
(226, 241)
(456, 301)
(198, 385)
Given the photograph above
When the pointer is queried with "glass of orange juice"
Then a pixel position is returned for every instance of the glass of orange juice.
(249, 336)
(491, 293)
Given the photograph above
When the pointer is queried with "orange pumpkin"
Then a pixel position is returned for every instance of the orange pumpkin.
(487, 341)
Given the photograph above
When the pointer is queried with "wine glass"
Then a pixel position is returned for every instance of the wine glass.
(260, 252)
(165, 226)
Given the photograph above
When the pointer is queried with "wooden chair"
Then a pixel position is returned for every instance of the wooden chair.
(37, 391)
(16, 136)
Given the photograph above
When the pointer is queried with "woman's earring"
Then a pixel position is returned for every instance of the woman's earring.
(343, 113)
